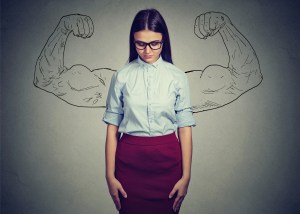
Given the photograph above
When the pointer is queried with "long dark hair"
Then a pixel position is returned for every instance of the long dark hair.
(153, 20)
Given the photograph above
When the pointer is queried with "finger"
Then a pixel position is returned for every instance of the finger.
(89, 28)
(85, 27)
(80, 26)
(117, 201)
(201, 26)
(213, 26)
(75, 28)
(196, 28)
(206, 26)
(176, 203)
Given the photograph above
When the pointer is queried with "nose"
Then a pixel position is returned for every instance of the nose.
(148, 49)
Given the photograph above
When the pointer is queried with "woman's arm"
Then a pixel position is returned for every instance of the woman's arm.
(114, 185)
(112, 137)
(185, 139)
(181, 187)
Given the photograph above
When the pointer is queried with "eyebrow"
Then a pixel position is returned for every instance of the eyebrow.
(148, 42)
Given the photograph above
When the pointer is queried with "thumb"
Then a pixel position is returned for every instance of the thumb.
(122, 191)
(172, 193)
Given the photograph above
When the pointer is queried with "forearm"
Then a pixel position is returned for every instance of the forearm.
(50, 63)
(110, 150)
(242, 57)
(185, 138)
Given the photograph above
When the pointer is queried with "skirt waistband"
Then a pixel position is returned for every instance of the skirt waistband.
(149, 140)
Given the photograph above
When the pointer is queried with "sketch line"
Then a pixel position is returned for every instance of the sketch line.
(211, 88)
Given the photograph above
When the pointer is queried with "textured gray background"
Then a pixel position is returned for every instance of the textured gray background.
(245, 154)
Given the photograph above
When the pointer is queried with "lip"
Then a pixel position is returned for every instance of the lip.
(147, 56)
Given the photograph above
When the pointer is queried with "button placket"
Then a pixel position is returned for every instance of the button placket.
(150, 98)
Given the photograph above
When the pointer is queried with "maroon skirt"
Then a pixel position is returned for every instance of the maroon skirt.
(148, 168)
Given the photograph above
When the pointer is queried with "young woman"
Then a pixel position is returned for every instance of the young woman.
(148, 169)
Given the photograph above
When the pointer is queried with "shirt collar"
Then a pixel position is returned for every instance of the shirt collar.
(155, 64)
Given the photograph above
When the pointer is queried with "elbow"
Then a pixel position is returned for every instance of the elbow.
(36, 81)
(39, 81)
(38, 75)
(259, 77)
(256, 74)
(255, 77)
(43, 76)
(36, 78)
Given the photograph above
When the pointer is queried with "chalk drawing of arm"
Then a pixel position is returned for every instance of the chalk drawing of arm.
(78, 85)
(217, 85)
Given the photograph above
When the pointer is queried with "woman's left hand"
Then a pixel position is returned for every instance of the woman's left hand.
(181, 188)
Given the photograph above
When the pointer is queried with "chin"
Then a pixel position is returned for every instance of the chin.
(150, 60)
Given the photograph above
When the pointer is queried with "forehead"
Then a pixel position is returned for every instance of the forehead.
(147, 36)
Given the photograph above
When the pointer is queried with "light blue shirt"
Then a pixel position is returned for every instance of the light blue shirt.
(149, 99)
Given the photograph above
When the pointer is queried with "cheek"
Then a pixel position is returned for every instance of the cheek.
(139, 52)
(159, 51)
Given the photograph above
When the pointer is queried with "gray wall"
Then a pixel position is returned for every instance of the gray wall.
(245, 154)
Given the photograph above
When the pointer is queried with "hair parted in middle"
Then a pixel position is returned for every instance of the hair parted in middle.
(152, 20)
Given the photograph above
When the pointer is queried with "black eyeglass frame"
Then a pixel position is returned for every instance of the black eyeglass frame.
(149, 44)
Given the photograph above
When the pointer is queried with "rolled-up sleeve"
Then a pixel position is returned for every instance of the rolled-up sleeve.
(114, 103)
(183, 109)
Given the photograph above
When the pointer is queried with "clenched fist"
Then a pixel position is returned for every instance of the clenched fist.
(80, 25)
(208, 24)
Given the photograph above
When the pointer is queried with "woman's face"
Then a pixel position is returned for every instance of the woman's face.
(147, 36)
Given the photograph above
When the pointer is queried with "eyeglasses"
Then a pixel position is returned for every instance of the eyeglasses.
(154, 45)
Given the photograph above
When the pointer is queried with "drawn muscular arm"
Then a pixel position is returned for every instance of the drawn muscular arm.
(77, 85)
(217, 85)
(211, 88)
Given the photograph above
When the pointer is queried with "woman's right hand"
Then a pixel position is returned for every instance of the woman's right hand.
(115, 187)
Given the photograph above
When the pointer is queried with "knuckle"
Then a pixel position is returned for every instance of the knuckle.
(114, 195)
(181, 195)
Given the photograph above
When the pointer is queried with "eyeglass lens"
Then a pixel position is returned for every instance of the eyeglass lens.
(154, 45)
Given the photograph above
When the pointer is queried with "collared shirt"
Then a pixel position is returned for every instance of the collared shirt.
(149, 99)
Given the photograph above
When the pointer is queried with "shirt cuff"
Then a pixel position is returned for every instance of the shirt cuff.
(185, 118)
(112, 118)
